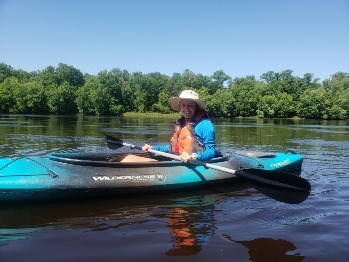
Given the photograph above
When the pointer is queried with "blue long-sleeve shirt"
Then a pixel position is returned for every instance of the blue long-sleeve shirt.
(205, 134)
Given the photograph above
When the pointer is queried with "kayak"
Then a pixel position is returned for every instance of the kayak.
(59, 176)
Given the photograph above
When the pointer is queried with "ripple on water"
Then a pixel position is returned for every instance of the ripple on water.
(260, 209)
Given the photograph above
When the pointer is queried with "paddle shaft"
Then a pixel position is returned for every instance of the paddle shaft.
(280, 186)
(220, 168)
(245, 175)
(256, 176)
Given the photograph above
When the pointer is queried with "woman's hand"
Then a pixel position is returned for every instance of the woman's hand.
(146, 147)
(185, 157)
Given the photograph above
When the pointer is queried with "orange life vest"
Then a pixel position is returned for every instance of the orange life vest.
(184, 139)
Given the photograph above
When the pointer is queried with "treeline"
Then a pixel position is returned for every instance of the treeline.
(65, 90)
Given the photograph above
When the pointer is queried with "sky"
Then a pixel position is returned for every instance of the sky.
(240, 37)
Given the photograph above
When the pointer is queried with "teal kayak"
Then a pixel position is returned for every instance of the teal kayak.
(89, 175)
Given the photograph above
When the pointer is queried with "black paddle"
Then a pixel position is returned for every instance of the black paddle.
(269, 182)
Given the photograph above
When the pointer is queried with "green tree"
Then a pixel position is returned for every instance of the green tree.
(175, 85)
(30, 98)
(314, 103)
(285, 106)
(95, 98)
(116, 83)
(83, 95)
(69, 74)
(219, 77)
(104, 103)
(61, 99)
(138, 95)
(190, 80)
(147, 89)
(337, 112)
(337, 88)
(220, 104)
(7, 98)
(65, 90)
(267, 106)
(247, 93)
(48, 76)
(337, 83)
(269, 77)
(285, 82)
(343, 104)
(162, 105)
(5, 71)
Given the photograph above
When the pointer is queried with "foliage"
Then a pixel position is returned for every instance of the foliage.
(30, 98)
(162, 104)
(314, 103)
(7, 98)
(61, 99)
(65, 90)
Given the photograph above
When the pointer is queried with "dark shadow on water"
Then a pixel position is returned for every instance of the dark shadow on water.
(189, 218)
(268, 249)
(285, 196)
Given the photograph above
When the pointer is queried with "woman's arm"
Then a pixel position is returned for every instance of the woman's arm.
(205, 132)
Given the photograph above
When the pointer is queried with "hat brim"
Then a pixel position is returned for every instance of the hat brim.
(174, 102)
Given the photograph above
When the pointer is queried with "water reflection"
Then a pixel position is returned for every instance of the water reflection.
(20, 132)
(268, 249)
(185, 222)
(185, 239)
(191, 227)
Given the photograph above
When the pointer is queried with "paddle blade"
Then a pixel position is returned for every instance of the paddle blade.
(275, 179)
(113, 143)
(280, 186)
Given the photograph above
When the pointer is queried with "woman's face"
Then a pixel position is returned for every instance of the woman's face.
(187, 108)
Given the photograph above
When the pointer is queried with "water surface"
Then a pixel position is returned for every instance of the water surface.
(235, 222)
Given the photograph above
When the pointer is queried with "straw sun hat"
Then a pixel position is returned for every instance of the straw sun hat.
(186, 94)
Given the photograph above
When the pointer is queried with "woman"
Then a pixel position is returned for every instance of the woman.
(194, 135)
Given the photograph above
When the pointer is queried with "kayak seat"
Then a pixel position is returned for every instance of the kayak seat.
(136, 159)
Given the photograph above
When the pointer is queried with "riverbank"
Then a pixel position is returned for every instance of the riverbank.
(175, 115)
(151, 115)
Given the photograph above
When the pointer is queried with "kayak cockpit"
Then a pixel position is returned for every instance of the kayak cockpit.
(118, 159)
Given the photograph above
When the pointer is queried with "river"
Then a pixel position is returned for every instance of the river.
(232, 223)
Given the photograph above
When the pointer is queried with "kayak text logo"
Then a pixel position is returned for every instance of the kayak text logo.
(154, 177)
(281, 164)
